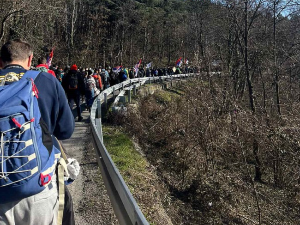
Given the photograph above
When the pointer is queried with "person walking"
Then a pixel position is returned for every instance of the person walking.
(90, 86)
(55, 120)
(73, 84)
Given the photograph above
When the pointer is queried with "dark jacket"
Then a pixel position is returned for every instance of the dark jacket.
(66, 81)
(53, 104)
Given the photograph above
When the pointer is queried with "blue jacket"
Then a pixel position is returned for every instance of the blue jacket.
(52, 100)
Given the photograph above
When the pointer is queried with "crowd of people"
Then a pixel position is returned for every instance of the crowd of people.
(36, 103)
(88, 82)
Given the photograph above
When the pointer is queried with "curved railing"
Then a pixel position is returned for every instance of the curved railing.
(124, 205)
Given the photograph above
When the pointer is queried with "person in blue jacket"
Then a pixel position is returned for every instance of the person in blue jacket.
(56, 119)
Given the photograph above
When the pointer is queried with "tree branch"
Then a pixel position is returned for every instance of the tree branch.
(4, 22)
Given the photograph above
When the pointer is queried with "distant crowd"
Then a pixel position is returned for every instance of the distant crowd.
(85, 84)
(110, 77)
(90, 82)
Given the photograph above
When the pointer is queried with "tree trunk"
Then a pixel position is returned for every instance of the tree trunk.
(251, 96)
(276, 76)
(73, 21)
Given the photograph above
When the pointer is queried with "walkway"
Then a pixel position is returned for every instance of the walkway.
(91, 202)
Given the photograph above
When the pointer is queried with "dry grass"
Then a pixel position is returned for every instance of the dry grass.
(138, 174)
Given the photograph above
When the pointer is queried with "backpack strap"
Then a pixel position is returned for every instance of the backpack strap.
(62, 149)
(62, 168)
(31, 74)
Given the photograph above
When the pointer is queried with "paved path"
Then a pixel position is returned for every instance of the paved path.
(91, 202)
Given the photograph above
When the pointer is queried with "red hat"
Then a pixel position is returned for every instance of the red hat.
(74, 67)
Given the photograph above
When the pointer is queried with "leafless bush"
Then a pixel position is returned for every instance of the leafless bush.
(202, 145)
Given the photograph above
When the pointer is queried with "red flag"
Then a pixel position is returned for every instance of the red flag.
(49, 59)
(136, 67)
(179, 61)
(117, 69)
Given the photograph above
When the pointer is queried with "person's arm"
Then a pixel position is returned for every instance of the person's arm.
(100, 82)
(81, 84)
(65, 120)
(52, 72)
(64, 81)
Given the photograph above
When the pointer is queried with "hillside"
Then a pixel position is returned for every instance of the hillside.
(202, 166)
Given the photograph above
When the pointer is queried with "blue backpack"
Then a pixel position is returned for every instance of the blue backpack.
(124, 77)
(26, 164)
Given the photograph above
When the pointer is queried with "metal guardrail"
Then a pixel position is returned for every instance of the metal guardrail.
(124, 205)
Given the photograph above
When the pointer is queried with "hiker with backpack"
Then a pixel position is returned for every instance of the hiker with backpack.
(122, 76)
(98, 81)
(33, 109)
(59, 73)
(113, 78)
(131, 74)
(90, 90)
(105, 78)
(74, 87)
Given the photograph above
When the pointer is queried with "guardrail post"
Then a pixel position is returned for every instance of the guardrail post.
(98, 108)
(129, 96)
(134, 90)
(105, 101)
(161, 83)
(122, 99)
(98, 119)
(99, 128)
(114, 92)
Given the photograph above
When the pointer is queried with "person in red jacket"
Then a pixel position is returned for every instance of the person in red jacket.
(42, 66)
(97, 78)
